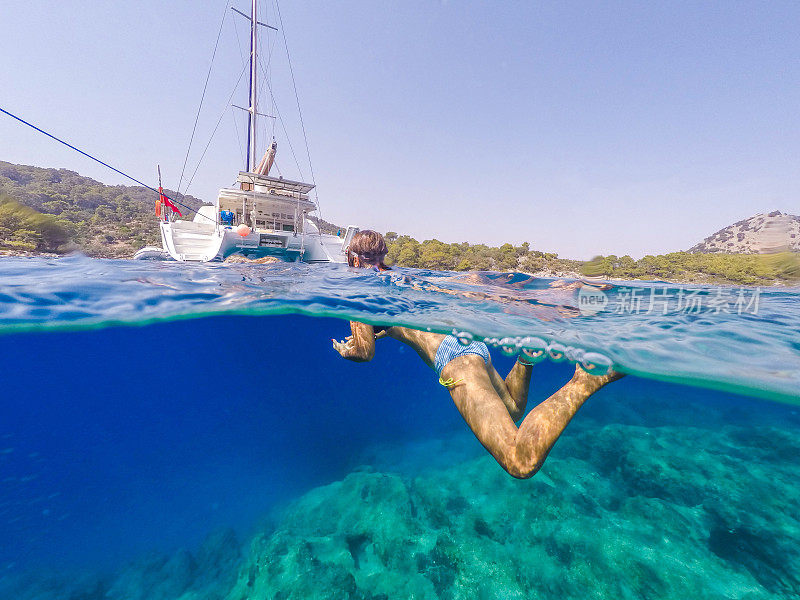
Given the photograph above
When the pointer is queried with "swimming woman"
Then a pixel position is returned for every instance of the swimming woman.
(489, 404)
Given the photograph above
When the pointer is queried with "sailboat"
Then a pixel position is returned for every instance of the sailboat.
(263, 216)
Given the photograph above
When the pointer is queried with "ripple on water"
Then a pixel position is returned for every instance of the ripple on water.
(753, 351)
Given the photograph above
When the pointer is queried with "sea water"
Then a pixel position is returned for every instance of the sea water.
(187, 431)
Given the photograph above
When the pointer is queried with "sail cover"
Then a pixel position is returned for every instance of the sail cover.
(269, 158)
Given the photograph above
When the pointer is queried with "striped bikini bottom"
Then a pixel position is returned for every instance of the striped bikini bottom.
(451, 348)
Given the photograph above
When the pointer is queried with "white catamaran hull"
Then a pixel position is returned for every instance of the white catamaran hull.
(192, 241)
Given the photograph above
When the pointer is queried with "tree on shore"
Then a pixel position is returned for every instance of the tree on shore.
(24, 229)
(748, 269)
(405, 251)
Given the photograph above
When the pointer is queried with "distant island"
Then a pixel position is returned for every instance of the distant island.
(760, 234)
(56, 210)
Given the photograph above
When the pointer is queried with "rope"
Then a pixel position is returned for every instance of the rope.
(202, 98)
(94, 158)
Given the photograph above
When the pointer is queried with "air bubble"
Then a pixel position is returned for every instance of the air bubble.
(595, 363)
(465, 338)
(573, 354)
(533, 348)
(557, 352)
(531, 359)
(509, 346)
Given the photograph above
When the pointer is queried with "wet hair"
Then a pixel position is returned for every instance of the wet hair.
(369, 246)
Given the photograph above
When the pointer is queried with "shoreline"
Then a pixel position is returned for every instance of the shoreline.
(542, 273)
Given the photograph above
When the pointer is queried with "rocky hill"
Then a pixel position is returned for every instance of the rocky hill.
(760, 234)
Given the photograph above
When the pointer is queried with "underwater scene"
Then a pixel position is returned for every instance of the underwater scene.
(174, 431)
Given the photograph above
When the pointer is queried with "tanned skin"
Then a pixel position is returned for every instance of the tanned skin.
(489, 404)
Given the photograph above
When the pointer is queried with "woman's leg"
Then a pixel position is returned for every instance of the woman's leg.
(520, 451)
(513, 391)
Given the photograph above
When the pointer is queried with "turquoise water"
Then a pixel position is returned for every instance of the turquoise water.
(144, 454)
(734, 338)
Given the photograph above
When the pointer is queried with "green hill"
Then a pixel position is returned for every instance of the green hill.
(102, 220)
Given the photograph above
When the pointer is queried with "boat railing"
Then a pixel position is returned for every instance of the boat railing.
(253, 179)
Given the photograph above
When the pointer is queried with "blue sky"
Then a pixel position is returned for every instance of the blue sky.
(584, 128)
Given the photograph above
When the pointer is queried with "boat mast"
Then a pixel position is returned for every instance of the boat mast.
(252, 159)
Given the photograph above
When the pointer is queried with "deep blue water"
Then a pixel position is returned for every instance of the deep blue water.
(127, 438)
(120, 441)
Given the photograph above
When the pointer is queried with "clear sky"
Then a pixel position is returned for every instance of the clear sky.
(584, 128)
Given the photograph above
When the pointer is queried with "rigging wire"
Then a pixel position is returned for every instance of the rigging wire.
(244, 63)
(271, 49)
(202, 98)
(227, 104)
(271, 40)
(283, 126)
(266, 86)
(238, 137)
(94, 158)
(297, 98)
(286, 133)
(238, 41)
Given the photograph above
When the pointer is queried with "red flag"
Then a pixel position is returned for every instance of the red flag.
(167, 201)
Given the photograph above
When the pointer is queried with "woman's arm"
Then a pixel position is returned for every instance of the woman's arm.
(360, 346)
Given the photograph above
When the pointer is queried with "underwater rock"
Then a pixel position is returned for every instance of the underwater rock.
(621, 511)
(41, 585)
(155, 577)
(208, 575)
(218, 561)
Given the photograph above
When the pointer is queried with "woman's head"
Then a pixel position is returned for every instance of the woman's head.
(367, 249)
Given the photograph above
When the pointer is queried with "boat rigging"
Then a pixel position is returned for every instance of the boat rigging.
(262, 215)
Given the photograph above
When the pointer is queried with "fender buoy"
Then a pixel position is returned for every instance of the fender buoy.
(243, 230)
(158, 208)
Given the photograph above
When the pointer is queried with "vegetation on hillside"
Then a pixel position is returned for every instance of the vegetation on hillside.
(103, 220)
(748, 269)
(405, 251)
(24, 229)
